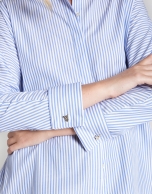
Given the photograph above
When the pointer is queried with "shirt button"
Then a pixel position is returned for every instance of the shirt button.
(78, 14)
(65, 118)
(96, 137)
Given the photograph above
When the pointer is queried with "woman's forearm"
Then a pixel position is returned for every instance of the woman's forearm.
(60, 132)
(91, 94)
(139, 74)
(94, 93)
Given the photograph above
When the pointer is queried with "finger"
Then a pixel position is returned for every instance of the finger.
(9, 151)
(12, 148)
(11, 141)
(10, 134)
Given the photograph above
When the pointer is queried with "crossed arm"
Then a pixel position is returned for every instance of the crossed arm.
(139, 74)
(96, 97)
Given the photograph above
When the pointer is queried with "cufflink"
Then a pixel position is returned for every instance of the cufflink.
(96, 137)
(65, 118)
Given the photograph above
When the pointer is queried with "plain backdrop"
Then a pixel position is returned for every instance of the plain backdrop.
(3, 136)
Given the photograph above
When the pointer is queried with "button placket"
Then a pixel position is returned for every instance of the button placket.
(103, 166)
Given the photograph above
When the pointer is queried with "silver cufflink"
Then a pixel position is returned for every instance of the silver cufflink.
(96, 137)
(66, 118)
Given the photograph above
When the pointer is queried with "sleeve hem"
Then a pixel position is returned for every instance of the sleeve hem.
(65, 105)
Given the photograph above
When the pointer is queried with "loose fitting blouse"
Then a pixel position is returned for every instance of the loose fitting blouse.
(46, 55)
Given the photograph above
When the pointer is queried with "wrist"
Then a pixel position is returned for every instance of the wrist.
(50, 133)
(63, 132)
(137, 76)
(106, 88)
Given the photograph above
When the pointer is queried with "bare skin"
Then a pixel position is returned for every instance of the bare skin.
(139, 74)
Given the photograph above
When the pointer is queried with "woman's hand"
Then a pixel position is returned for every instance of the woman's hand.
(139, 74)
(25, 138)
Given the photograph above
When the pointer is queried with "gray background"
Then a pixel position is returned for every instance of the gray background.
(3, 136)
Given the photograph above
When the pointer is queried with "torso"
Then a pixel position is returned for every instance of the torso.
(58, 48)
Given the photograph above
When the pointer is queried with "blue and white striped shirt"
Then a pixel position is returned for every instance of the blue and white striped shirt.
(45, 57)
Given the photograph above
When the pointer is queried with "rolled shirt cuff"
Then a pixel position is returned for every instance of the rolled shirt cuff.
(66, 106)
(95, 129)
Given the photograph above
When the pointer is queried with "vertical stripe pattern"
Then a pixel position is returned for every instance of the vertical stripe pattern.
(45, 57)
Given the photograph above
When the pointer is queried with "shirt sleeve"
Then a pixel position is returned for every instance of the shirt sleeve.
(56, 108)
(114, 117)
